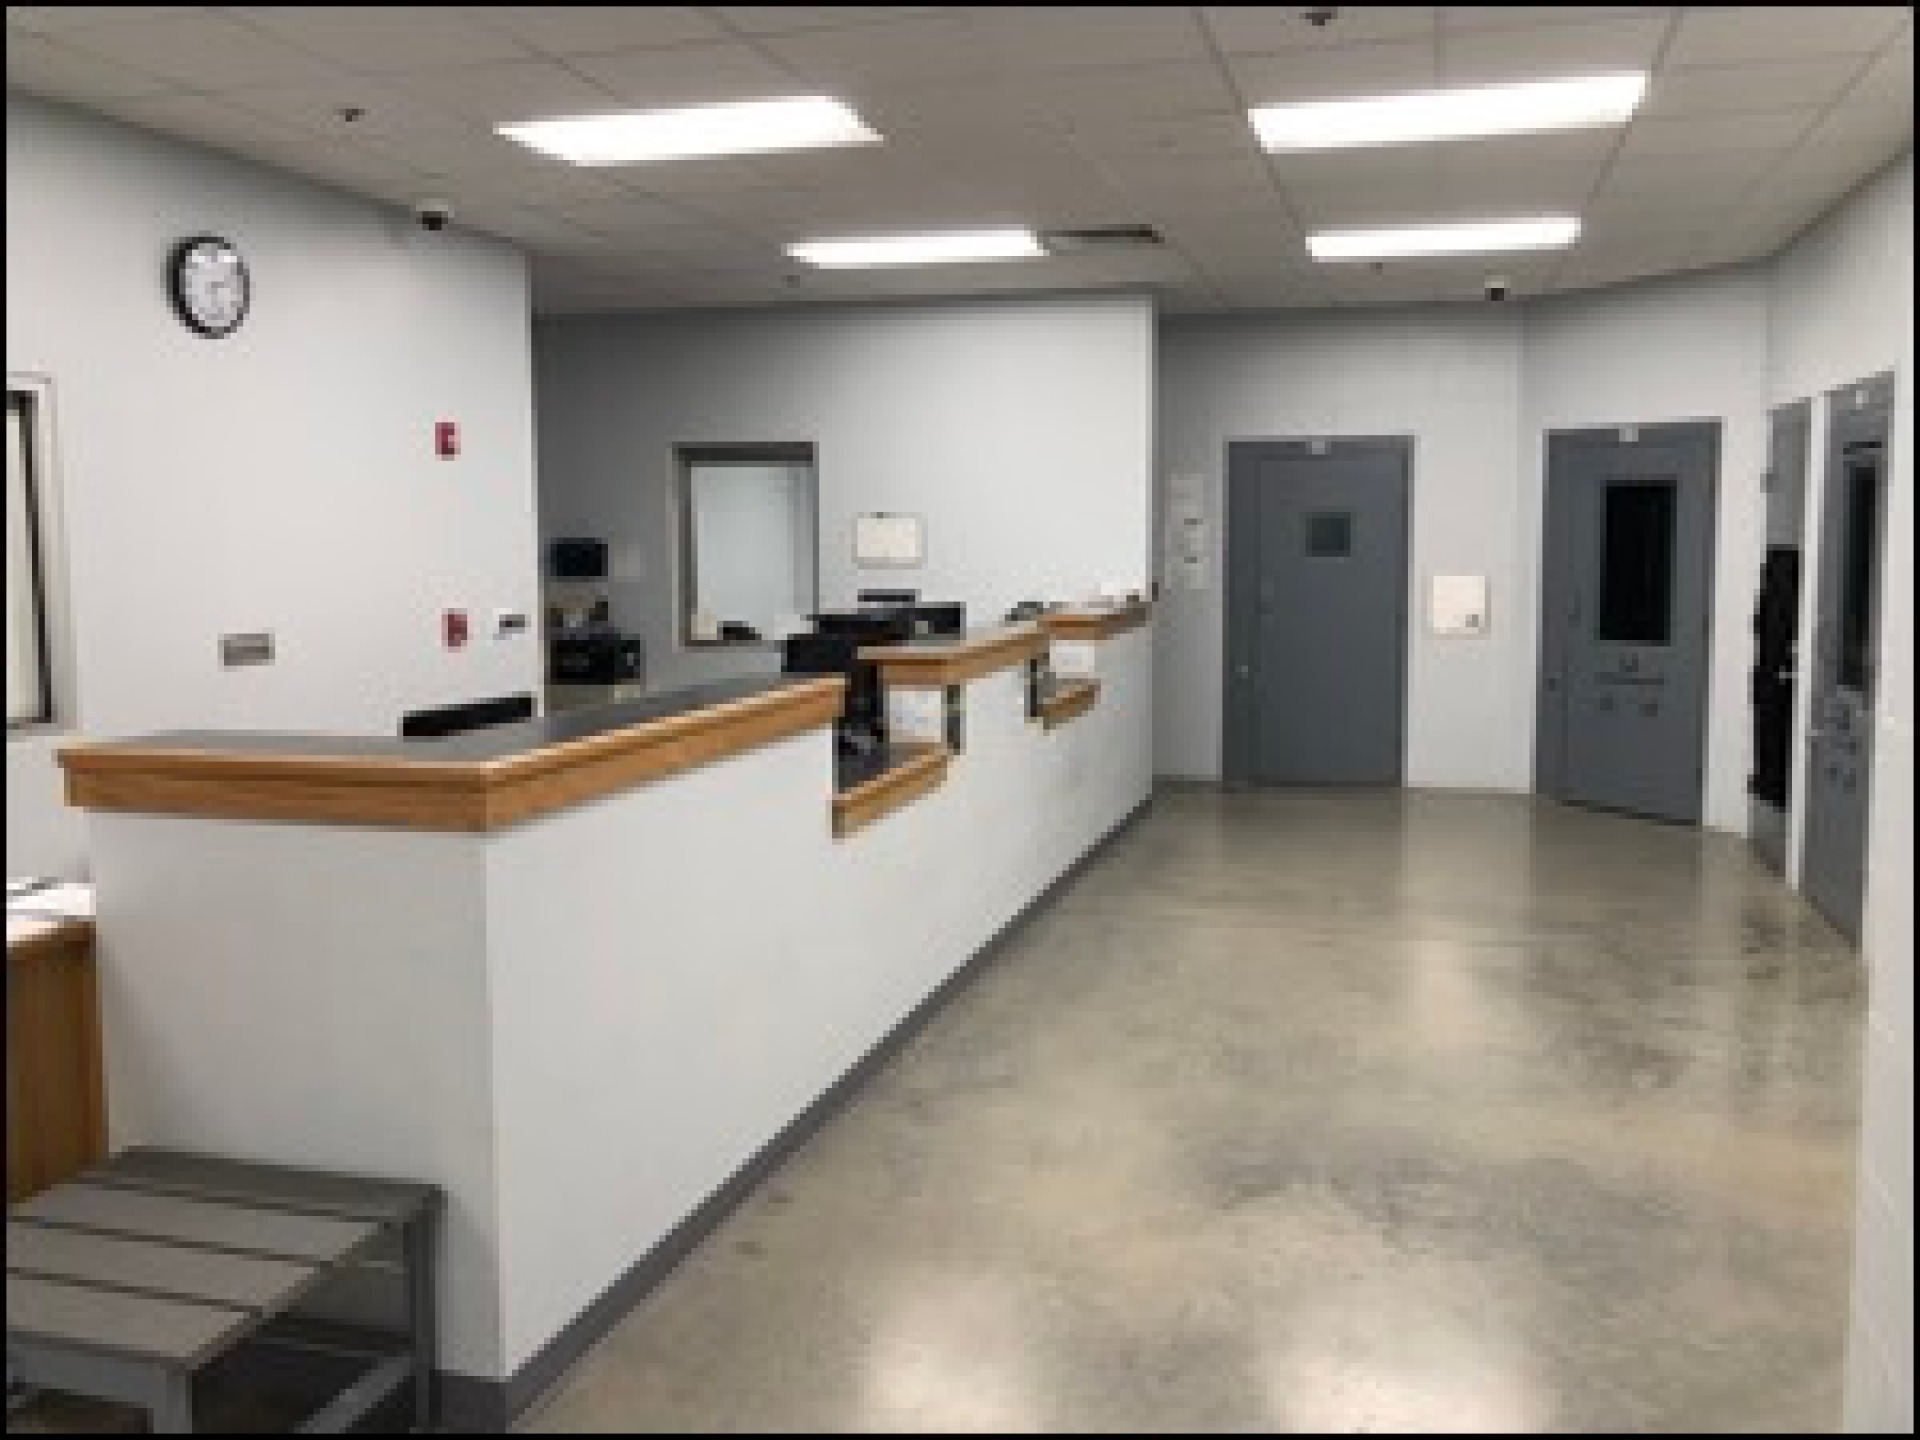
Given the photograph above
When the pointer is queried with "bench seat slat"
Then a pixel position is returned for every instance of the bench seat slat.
(171, 1332)
(177, 1270)
(135, 1214)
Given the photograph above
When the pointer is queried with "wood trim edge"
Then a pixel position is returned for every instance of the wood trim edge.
(437, 795)
(1096, 624)
(1070, 701)
(926, 771)
(934, 667)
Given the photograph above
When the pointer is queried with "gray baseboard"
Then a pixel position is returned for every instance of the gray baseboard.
(469, 1404)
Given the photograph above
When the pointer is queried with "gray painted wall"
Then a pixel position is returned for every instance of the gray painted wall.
(282, 479)
(1450, 379)
(1476, 388)
(1019, 429)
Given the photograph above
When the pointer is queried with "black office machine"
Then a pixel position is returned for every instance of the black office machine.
(833, 647)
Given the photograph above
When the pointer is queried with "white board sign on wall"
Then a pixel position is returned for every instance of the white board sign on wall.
(880, 538)
(1457, 605)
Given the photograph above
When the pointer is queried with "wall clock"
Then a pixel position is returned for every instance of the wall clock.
(209, 284)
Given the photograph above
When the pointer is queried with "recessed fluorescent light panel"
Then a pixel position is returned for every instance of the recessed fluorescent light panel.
(1520, 109)
(751, 127)
(956, 247)
(1479, 237)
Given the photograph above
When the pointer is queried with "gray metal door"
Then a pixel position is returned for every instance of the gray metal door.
(1845, 651)
(1774, 682)
(1316, 611)
(1626, 607)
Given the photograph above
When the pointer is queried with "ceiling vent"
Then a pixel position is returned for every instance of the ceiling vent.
(1099, 238)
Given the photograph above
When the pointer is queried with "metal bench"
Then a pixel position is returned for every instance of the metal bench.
(128, 1280)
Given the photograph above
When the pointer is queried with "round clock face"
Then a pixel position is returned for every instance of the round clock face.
(209, 283)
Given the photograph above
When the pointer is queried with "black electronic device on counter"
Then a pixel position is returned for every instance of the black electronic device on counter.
(592, 655)
(833, 647)
(577, 558)
(446, 720)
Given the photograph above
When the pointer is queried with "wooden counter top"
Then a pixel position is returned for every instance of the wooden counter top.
(916, 770)
(938, 661)
(1096, 622)
(480, 781)
(1068, 700)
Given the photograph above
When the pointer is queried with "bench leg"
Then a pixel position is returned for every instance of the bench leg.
(171, 1408)
(421, 1301)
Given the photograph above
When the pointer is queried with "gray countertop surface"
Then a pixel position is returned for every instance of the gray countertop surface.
(493, 742)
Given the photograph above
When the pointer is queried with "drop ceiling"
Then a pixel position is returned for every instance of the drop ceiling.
(1756, 120)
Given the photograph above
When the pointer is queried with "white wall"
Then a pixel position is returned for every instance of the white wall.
(1689, 347)
(281, 479)
(582, 967)
(1450, 379)
(1842, 309)
(1020, 430)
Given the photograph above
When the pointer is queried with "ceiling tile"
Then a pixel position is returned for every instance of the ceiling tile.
(1710, 134)
(587, 29)
(1179, 87)
(1707, 180)
(204, 52)
(1720, 35)
(385, 39)
(1029, 38)
(790, 19)
(505, 90)
(1486, 57)
(1349, 70)
(46, 67)
(1509, 17)
(55, 19)
(923, 47)
(1889, 78)
(1744, 89)
(686, 75)
(1257, 29)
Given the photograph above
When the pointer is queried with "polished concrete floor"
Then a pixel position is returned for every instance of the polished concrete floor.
(1315, 1110)
(1309, 1110)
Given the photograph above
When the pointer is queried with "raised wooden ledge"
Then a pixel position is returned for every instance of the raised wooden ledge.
(894, 788)
(934, 665)
(42, 937)
(1069, 700)
(1096, 624)
(430, 794)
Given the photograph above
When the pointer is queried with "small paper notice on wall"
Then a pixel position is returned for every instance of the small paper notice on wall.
(887, 539)
(1458, 605)
(1188, 543)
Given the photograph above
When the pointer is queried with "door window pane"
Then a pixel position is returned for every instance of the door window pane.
(1858, 574)
(28, 699)
(1636, 562)
(1330, 535)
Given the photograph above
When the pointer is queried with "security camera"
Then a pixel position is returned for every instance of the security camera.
(1498, 287)
(433, 215)
(1319, 17)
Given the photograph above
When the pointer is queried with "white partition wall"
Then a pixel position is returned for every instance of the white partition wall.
(584, 1024)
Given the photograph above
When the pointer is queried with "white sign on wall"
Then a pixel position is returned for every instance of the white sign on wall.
(1457, 605)
(1189, 543)
(880, 538)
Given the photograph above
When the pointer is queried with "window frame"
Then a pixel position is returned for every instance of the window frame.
(686, 559)
(32, 395)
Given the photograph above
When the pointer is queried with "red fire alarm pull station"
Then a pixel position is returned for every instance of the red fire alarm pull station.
(446, 439)
(453, 625)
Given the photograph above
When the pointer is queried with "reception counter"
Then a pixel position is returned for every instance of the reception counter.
(592, 974)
